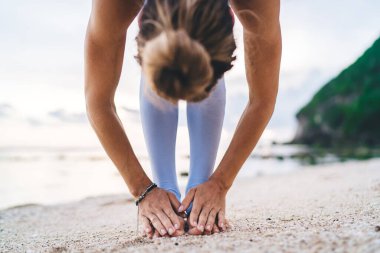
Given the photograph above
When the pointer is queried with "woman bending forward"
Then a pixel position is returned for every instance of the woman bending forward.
(184, 49)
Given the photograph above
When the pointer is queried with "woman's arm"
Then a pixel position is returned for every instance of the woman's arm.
(262, 46)
(104, 51)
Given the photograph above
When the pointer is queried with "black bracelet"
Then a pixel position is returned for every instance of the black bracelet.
(142, 196)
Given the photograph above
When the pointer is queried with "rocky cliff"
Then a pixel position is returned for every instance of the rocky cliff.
(345, 111)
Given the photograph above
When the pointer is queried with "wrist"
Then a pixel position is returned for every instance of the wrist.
(140, 188)
(220, 181)
(147, 190)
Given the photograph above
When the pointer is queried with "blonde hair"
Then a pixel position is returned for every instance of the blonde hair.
(185, 46)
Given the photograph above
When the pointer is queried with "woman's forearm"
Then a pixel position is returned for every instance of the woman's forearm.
(249, 130)
(109, 129)
(262, 58)
(104, 52)
(115, 142)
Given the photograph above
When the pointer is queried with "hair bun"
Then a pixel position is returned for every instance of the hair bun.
(176, 66)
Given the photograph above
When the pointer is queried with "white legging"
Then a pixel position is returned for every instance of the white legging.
(159, 120)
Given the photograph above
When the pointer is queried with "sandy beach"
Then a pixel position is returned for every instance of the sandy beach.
(335, 208)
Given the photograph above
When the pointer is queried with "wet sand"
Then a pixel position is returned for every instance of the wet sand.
(322, 209)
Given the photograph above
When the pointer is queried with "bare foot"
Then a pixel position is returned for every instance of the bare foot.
(155, 234)
(193, 230)
(181, 230)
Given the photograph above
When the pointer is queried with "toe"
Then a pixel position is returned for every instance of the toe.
(156, 234)
(181, 230)
(193, 230)
(215, 229)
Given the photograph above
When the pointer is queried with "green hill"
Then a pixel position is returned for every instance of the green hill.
(346, 111)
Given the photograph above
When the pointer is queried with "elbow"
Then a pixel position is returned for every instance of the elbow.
(91, 109)
(96, 107)
(90, 103)
(264, 105)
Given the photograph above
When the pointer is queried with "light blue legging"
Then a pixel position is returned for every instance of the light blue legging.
(159, 120)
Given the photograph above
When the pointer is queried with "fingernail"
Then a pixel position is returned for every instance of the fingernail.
(171, 231)
(208, 227)
(147, 229)
(200, 228)
(180, 209)
(176, 226)
(194, 223)
(163, 231)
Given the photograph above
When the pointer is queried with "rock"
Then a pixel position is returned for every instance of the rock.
(346, 110)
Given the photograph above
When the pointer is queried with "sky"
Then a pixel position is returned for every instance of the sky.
(41, 67)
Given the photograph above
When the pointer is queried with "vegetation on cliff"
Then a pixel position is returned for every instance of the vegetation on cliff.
(345, 111)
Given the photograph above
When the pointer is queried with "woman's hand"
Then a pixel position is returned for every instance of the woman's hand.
(157, 209)
(209, 203)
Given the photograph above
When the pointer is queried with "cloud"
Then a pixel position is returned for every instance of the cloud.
(5, 110)
(64, 116)
(34, 122)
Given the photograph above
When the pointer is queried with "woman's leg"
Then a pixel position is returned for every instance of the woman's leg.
(205, 121)
(159, 119)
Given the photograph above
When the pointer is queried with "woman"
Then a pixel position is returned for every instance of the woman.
(185, 46)
(184, 52)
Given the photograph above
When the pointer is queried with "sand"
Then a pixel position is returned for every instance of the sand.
(331, 208)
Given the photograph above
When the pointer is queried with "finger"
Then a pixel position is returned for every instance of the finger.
(173, 218)
(146, 225)
(221, 220)
(175, 204)
(187, 200)
(151, 233)
(157, 224)
(166, 222)
(203, 218)
(181, 230)
(215, 229)
(194, 215)
(211, 220)
(174, 201)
